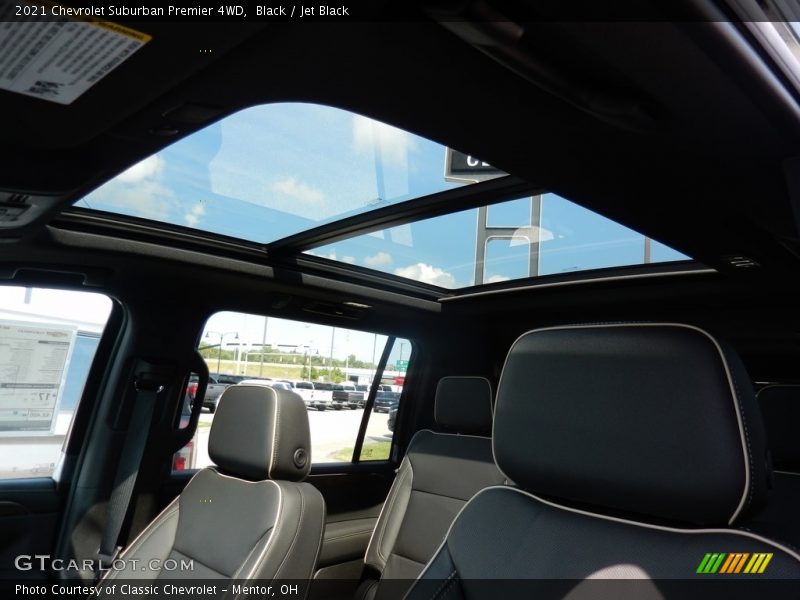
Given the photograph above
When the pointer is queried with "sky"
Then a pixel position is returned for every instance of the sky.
(271, 171)
(291, 336)
(85, 310)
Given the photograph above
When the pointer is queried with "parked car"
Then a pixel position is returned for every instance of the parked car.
(313, 397)
(323, 392)
(386, 401)
(347, 396)
(229, 379)
(214, 390)
(278, 385)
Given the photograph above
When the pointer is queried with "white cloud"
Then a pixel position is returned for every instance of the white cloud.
(192, 217)
(394, 144)
(350, 260)
(298, 190)
(148, 199)
(330, 255)
(523, 235)
(497, 279)
(149, 168)
(381, 259)
(427, 274)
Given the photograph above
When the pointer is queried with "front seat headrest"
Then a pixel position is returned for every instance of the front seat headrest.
(261, 433)
(654, 419)
(464, 405)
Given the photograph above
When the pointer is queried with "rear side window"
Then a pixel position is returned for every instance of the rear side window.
(333, 370)
(48, 341)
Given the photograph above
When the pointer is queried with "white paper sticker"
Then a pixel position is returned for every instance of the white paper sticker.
(33, 363)
(58, 60)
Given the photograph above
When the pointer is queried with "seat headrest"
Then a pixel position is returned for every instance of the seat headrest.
(780, 406)
(464, 405)
(655, 419)
(261, 433)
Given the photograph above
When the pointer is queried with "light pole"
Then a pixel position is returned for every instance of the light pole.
(221, 337)
(263, 347)
(330, 364)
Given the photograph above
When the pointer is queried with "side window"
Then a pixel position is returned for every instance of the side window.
(48, 340)
(332, 369)
(380, 430)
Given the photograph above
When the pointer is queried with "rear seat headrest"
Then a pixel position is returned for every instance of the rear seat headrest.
(654, 419)
(261, 433)
(780, 406)
(464, 405)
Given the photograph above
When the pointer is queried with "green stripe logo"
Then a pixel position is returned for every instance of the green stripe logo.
(711, 563)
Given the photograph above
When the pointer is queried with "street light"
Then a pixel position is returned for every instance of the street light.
(221, 337)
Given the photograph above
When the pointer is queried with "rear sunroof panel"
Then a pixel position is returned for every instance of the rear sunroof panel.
(517, 239)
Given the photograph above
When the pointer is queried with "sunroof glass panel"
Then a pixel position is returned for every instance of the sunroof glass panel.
(517, 239)
(271, 171)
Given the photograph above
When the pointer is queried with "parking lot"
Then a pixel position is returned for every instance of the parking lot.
(333, 432)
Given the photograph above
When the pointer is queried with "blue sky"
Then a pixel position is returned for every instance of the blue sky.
(271, 171)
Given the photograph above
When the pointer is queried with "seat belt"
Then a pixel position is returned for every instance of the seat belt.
(147, 387)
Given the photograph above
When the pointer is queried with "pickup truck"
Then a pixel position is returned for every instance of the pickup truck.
(312, 394)
(346, 396)
(214, 390)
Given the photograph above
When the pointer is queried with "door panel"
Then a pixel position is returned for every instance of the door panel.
(29, 510)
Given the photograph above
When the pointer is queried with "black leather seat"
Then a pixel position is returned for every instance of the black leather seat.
(780, 406)
(250, 517)
(440, 472)
(637, 448)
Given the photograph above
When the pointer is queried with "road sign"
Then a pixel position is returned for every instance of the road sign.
(401, 365)
(465, 167)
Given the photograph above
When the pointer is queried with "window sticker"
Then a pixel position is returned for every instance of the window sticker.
(33, 365)
(55, 58)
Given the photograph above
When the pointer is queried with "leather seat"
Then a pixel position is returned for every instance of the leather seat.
(636, 449)
(250, 517)
(440, 472)
(780, 406)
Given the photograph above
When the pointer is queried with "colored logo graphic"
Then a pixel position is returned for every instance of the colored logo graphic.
(734, 562)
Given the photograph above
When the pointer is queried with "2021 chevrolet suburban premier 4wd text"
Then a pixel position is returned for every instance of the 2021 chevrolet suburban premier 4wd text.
(546, 254)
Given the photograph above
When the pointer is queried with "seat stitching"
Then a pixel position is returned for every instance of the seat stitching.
(275, 430)
(144, 536)
(347, 535)
(268, 532)
(782, 541)
(389, 512)
(209, 567)
(746, 436)
(296, 533)
(445, 584)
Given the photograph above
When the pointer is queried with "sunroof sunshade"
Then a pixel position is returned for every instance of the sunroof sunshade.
(275, 170)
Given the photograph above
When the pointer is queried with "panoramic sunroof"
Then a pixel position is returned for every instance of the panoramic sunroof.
(527, 237)
(275, 170)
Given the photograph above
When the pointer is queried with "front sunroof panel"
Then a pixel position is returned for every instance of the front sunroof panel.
(517, 242)
(271, 171)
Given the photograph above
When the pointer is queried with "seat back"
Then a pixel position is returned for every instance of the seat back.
(636, 448)
(250, 516)
(440, 472)
(780, 406)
